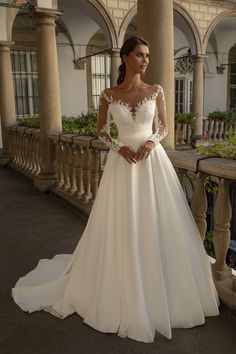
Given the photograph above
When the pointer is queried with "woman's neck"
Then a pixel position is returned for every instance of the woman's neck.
(131, 81)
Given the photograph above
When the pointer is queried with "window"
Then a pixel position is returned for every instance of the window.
(100, 67)
(25, 77)
(183, 94)
(179, 95)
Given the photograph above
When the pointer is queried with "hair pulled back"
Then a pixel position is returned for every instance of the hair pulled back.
(127, 47)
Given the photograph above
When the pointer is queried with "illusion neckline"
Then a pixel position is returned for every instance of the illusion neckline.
(132, 109)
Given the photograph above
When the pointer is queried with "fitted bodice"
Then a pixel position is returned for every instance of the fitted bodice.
(133, 123)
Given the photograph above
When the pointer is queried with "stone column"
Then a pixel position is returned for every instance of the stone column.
(198, 90)
(115, 63)
(49, 94)
(7, 100)
(155, 24)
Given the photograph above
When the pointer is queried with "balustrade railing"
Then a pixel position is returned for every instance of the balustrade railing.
(79, 164)
(223, 172)
(24, 147)
(212, 131)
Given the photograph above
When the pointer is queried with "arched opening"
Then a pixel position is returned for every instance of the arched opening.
(219, 76)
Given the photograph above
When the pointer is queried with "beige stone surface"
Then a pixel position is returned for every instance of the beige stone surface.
(7, 107)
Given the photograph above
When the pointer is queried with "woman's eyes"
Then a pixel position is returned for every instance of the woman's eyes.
(143, 55)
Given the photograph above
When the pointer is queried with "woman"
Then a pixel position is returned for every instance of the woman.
(140, 265)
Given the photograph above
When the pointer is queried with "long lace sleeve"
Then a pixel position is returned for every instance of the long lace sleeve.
(103, 125)
(160, 120)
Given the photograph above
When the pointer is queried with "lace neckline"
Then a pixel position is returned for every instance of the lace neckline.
(132, 109)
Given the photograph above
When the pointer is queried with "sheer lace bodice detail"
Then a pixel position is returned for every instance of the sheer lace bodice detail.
(145, 120)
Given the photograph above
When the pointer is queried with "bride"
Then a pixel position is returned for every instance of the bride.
(140, 265)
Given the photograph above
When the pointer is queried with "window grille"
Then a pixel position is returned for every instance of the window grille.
(25, 77)
(100, 67)
(184, 65)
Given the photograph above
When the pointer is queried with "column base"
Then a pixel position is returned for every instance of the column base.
(45, 181)
(196, 140)
(4, 160)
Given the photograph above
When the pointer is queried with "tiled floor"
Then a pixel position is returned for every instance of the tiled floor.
(33, 226)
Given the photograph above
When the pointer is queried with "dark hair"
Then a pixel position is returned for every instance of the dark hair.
(127, 47)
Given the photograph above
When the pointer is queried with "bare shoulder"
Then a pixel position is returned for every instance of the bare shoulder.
(157, 87)
(152, 88)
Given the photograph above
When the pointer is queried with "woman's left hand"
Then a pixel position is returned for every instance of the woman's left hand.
(144, 150)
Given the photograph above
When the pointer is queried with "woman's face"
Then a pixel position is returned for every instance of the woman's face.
(138, 60)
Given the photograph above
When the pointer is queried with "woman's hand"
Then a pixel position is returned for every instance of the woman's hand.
(128, 153)
(144, 150)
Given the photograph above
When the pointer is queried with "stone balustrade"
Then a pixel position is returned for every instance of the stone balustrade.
(79, 168)
(79, 164)
(223, 172)
(213, 131)
(24, 148)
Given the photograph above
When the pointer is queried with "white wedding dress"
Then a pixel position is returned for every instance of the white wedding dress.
(140, 265)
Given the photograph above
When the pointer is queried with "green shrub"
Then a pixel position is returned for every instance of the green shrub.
(226, 116)
(29, 122)
(185, 118)
(208, 244)
(84, 124)
(226, 149)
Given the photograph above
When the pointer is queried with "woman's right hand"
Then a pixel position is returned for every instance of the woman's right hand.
(128, 153)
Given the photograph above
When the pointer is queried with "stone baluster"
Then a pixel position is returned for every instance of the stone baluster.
(180, 173)
(28, 133)
(17, 156)
(34, 153)
(189, 133)
(31, 153)
(55, 138)
(199, 204)
(221, 130)
(215, 130)
(60, 170)
(85, 164)
(206, 129)
(73, 189)
(211, 128)
(94, 172)
(68, 158)
(18, 148)
(37, 150)
(221, 234)
(59, 164)
(78, 168)
(102, 156)
(25, 149)
(20, 131)
(66, 178)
